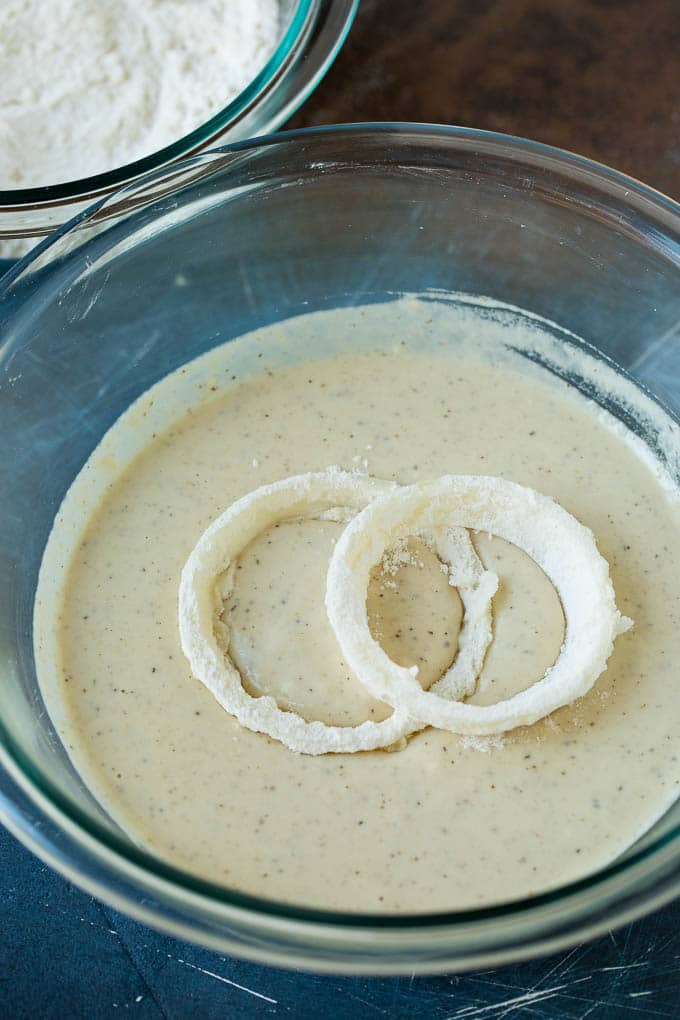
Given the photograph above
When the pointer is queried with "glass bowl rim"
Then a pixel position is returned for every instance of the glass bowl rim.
(84, 188)
(129, 860)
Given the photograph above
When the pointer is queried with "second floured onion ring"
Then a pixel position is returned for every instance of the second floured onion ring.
(559, 544)
(207, 580)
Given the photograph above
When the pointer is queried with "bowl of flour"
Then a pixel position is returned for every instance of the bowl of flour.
(98, 92)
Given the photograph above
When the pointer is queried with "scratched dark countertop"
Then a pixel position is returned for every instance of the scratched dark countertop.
(67, 957)
(596, 76)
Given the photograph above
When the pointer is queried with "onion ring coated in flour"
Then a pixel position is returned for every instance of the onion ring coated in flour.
(559, 544)
(207, 580)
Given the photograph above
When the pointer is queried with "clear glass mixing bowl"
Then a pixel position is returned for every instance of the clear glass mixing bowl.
(221, 244)
(312, 32)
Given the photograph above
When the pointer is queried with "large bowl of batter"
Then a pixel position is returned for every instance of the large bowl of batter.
(403, 300)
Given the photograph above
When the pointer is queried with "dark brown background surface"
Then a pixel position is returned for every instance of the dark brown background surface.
(600, 77)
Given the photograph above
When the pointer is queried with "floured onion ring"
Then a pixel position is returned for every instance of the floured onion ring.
(562, 547)
(207, 579)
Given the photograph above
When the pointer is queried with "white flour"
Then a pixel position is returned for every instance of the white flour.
(89, 85)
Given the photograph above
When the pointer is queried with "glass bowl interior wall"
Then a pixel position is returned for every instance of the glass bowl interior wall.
(219, 246)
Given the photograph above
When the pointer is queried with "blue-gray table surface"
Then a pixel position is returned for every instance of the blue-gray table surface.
(65, 956)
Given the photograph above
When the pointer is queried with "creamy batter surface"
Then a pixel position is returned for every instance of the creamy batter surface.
(445, 822)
